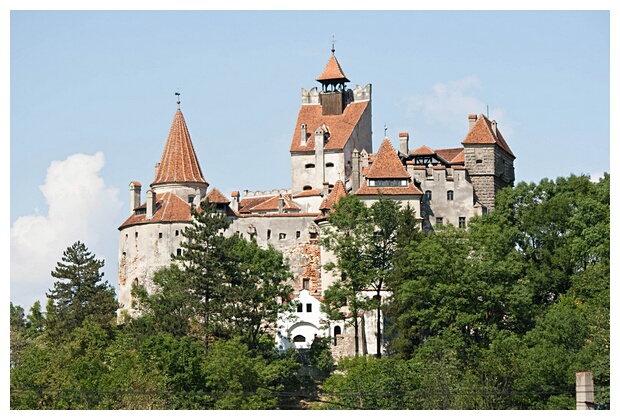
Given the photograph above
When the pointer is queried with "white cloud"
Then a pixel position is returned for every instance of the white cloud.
(449, 104)
(80, 207)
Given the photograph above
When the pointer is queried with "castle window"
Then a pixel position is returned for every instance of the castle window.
(478, 160)
(176, 233)
(306, 284)
(298, 234)
(309, 165)
(190, 199)
(313, 235)
(329, 165)
(179, 252)
(337, 330)
(450, 195)
(438, 220)
(268, 233)
(299, 339)
(300, 307)
(308, 307)
(161, 235)
(307, 187)
(462, 222)
(282, 236)
(136, 235)
(428, 195)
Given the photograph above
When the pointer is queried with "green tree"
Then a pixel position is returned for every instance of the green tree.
(80, 293)
(348, 238)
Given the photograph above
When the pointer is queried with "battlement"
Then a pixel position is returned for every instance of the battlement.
(265, 193)
(358, 94)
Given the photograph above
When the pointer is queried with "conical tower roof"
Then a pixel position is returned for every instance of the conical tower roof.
(333, 72)
(179, 163)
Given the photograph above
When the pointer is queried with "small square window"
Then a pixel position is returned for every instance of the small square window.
(282, 236)
(306, 284)
(438, 220)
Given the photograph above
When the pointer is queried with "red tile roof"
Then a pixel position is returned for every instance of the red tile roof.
(340, 126)
(179, 162)
(411, 189)
(169, 208)
(248, 203)
(449, 154)
(272, 203)
(334, 196)
(215, 196)
(308, 193)
(332, 71)
(422, 150)
(482, 133)
(387, 164)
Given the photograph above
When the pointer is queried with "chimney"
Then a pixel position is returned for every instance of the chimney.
(325, 189)
(304, 135)
(134, 195)
(319, 139)
(355, 175)
(404, 143)
(472, 120)
(280, 204)
(156, 169)
(494, 127)
(234, 204)
(150, 203)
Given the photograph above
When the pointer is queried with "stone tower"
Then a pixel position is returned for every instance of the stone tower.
(488, 159)
(330, 125)
(153, 230)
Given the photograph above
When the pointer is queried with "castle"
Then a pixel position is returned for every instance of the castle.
(331, 156)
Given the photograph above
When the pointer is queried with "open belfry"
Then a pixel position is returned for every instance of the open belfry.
(331, 157)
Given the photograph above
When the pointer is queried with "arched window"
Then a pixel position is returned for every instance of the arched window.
(337, 330)
(299, 339)
(450, 195)
(307, 187)
(428, 194)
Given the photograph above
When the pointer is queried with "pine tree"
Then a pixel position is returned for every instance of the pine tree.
(80, 293)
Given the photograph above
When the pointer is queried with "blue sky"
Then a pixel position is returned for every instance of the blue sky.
(92, 100)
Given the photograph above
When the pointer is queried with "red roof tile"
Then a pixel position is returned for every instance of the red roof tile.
(340, 126)
(215, 196)
(482, 133)
(411, 189)
(169, 208)
(272, 204)
(387, 164)
(332, 71)
(449, 154)
(247, 203)
(179, 162)
(308, 193)
(334, 196)
(422, 150)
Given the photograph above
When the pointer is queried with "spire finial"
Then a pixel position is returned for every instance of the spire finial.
(384, 131)
(178, 95)
(333, 47)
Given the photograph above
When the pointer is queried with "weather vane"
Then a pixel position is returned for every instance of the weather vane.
(333, 47)
(178, 95)
(384, 131)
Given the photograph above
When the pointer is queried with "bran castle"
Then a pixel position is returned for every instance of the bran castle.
(331, 156)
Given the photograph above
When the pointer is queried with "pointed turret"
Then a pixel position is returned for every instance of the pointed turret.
(179, 164)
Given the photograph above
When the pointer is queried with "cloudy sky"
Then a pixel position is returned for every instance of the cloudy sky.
(92, 100)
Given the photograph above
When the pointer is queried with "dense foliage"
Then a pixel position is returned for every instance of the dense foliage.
(500, 315)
